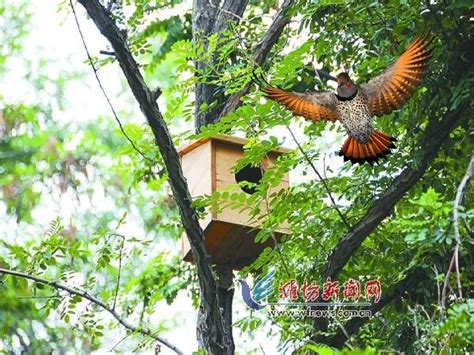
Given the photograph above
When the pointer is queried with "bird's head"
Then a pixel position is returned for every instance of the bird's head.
(345, 86)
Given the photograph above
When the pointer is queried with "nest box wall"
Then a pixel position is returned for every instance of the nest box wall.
(229, 234)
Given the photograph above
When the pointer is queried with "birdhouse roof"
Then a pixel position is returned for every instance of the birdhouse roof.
(222, 138)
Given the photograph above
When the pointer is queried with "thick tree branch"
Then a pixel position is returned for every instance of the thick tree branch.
(436, 134)
(149, 107)
(414, 278)
(263, 48)
(96, 301)
(210, 17)
(213, 17)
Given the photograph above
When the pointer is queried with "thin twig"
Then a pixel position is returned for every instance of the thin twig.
(272, 233)
(415, 321)
(446, 283)
(271, 37)
(424, 311)
(267, 204)
(96, 301)
(119, 269)
(112, 54)
(37, 297)
(263, 166)
(435, 269)
(319, 176)
(324, 166)
(455, 258)
(120, 341)
(109, 102)
(462, 188)
(343, 329)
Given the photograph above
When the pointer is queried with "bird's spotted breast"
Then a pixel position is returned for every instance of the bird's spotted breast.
(355, 117)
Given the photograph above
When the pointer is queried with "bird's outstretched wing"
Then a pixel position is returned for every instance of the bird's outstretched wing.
(316, 106)
(391, 89)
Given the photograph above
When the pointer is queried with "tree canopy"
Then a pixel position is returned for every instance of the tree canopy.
(92, 211)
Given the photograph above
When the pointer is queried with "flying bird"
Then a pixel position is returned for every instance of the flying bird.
(355, 105)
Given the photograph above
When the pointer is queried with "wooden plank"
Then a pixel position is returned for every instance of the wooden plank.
(224, 254)
(215, 234)
(223, 138)
(232, 245)
(226, 159)
(197, 169)
(249, 250)
(213, 173)
(229, 234)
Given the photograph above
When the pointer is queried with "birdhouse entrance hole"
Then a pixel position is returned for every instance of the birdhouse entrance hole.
(229, 233)
(250, 174)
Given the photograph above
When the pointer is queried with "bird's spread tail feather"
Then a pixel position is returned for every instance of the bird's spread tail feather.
(378, 146)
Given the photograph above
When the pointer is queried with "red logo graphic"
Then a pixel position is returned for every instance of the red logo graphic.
(310, 292)
(351, 292)
(373, 289)
(289, 290)
(330, 290)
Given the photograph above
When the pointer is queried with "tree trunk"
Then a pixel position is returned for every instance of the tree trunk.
(213, 331)
(210, 17)
(225, 295)
(225, 291)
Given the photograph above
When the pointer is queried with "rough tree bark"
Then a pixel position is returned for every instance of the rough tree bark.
(435, 136)
(216, 339)
(211, 17)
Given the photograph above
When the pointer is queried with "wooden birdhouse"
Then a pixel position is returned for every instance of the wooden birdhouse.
(229, 233)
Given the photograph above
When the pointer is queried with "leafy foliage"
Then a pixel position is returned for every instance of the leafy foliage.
(120, 243)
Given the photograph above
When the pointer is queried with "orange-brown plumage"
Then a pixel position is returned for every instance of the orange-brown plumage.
(395, 86)
(299, 105)
(355, 105)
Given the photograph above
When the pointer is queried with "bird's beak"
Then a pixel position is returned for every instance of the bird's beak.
(330, 77)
